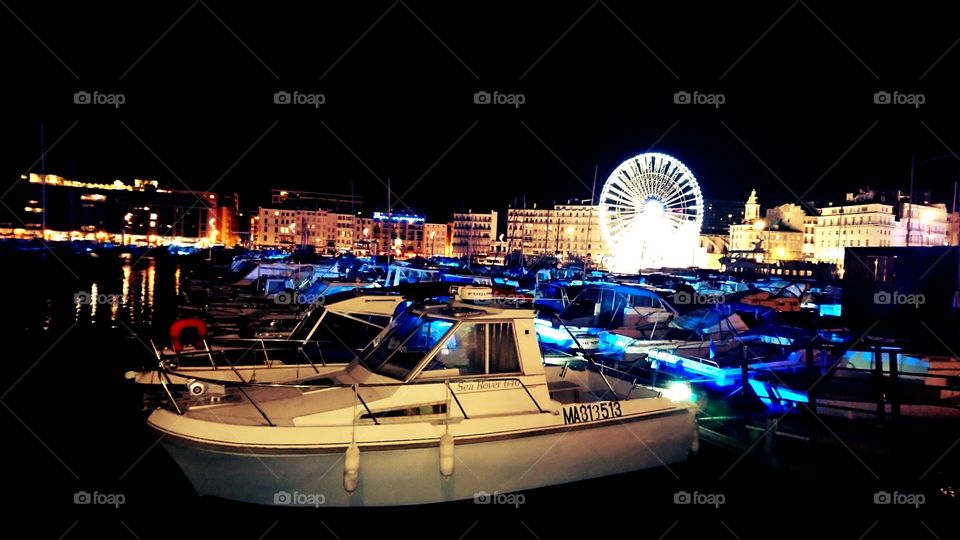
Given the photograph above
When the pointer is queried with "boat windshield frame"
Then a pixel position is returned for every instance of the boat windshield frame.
(380, 355)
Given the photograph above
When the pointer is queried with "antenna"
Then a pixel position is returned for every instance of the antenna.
(389, 215)
(910, 213)
(593, 194)
(43, 185)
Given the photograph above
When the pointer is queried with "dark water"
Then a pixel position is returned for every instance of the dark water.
(72, 423)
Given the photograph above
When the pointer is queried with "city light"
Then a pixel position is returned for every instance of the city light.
(405, 218)
(678, 391)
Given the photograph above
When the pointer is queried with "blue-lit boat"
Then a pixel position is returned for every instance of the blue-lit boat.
(603, 307)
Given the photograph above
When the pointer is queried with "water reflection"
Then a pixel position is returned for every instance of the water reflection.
(123, 292)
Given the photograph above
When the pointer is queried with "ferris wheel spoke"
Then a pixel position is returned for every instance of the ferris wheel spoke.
(678, 218)
(618, 189)
(622, 198)
(679, 194)
(680, 199)
(623, 224)
(631, 189)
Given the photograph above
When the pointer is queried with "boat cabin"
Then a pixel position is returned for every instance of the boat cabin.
(608, 305)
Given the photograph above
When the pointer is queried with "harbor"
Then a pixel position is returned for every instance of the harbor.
(527, 270)
(829, 425)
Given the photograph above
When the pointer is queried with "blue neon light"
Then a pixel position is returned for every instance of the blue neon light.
(830, 310)
(777, 396)
(690, 364)
(398, 218)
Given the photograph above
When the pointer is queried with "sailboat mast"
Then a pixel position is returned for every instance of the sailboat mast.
(593, 194)
(43, 185)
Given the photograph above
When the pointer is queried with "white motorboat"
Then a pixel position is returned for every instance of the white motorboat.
(603, 307)
(447, 403)
(325, 340)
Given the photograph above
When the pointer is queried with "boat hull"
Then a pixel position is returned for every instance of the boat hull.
(410, 474)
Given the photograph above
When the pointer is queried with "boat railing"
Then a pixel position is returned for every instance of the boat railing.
(165, 372)
(882, 380)
(586, 355)
(625, 376)
(260, 355)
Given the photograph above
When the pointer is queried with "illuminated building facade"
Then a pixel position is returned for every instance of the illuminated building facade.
(529, 231)
(875, 224)
(473, 234)
(579, 231)
(781, 235)
(228, 220)
(853, 225)
(715, 246)
(922, 225)
(282, 227)
(399, 235)
(349, 230)
(569, 231)
(435, 240)
(58, 208)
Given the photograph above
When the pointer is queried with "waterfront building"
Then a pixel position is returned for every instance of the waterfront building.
(568, 231)
(61, 209)
(473, 234)
(778, 236)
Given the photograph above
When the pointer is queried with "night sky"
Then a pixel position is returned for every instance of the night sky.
(598, 80)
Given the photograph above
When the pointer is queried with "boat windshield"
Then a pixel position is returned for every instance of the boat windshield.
(397, 351)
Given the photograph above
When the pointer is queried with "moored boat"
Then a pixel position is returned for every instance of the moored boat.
(447, 402)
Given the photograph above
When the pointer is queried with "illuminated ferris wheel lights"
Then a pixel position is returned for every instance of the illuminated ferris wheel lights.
(649, 211)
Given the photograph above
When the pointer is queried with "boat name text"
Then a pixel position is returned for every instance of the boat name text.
(481, 386)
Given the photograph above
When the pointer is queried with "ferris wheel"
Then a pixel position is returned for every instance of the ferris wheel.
(647, 201)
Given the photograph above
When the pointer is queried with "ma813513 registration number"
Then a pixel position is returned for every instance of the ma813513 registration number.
(591, 412)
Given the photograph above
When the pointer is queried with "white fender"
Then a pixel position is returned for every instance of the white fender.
(446, 455)
(351, 468)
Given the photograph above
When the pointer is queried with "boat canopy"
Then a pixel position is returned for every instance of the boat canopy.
(607, 305)
(446, 342)
(711, 320)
